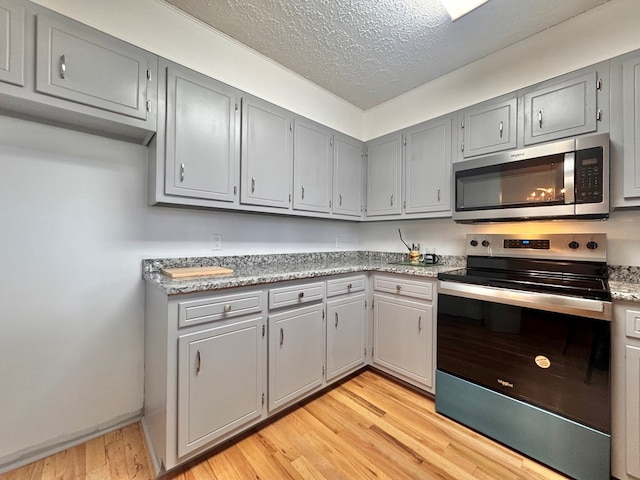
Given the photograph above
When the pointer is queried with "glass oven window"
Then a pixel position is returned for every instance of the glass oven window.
(524, 183)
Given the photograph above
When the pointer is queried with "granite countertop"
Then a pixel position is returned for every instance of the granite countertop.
(263, 269)
(624, 281)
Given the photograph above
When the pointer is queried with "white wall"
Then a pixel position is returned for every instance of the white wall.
(75, 227)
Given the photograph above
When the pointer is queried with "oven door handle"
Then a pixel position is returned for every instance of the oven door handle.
(584, 307)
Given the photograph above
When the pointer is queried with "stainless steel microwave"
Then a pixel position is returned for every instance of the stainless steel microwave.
(564, 179)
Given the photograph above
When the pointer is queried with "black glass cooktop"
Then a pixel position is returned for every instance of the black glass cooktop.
(578, 279)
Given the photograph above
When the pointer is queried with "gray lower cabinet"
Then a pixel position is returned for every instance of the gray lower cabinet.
(489, 127)
(12, 42)
(348, 176)
(220, 381)
(427, 160)
(384, 175)
(267, 154)
(296, 354)
(312, 166)
(563, 109)
(201, 136)
(404, 330)
(625, 394)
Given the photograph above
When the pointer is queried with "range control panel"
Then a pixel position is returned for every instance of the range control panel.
(578, 246)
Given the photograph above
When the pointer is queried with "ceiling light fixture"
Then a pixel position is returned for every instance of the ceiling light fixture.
(459, 8)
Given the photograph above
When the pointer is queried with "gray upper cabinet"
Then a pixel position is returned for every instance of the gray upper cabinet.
(561, 109)
(312, 166)
(201, 152)
(12, 36)
(267, 154)
(631, 129)
(348, 175)
(428, 167)
(489, 127)
(384, 175)
(85, 66)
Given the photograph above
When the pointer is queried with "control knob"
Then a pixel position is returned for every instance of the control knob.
(573, 245)
(485, 243)
(592, 245)
(474, 243)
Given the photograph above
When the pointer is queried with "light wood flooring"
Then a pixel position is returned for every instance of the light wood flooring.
(369, 427)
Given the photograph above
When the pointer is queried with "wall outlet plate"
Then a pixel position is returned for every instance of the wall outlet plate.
(216, 243)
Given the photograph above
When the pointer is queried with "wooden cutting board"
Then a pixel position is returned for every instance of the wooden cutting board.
(186, 272)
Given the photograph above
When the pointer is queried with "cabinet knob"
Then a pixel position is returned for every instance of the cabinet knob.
(301, 295)
(350, 286)
(227, 308)
(398, 287)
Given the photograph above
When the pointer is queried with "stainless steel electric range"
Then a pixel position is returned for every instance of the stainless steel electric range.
(523, 346)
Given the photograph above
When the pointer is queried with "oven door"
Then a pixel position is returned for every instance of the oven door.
(556, 361)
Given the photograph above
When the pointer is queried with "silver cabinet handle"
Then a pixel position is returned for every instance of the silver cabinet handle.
(63, 67)
(227, 308)
(253, 184)
(281, 337)
(182, 172)
(501, 129)
(303, 192)
(198, 362)
(340, 196)
(540, 118)
(420, 324)
(336, 319)
(438, 193)
(392, 199)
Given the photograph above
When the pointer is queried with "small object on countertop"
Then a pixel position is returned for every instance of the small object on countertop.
(186, 272)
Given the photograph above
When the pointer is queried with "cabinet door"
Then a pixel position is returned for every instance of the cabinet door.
(346, 320)
(312, 164)
(295, 354)
(631, 117)
(85, 66)
(489, 128)
(201, 158)
(384, 172)
(403, 336)
(348, 169)
(428, 167)
(632, 355)
(561, 110)
(12, 18)
(220, 381)
(267, 154)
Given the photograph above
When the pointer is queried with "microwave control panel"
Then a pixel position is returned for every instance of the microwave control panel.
(589, 176)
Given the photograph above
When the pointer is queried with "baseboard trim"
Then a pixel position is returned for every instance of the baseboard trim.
(43, 450)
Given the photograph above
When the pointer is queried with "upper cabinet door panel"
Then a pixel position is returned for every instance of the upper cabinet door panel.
(631, 122)
(85, 66)
(12, 22)
(562, 110)
(490, 128)
(267, 154)
(312, 162)
(428, 167)
(200, 139)
(348, 170)
(384, 167)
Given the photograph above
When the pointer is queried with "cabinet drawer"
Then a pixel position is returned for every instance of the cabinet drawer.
(218, 308)
(633, 323)
(401, 286)
(296, 295)
(340, 286)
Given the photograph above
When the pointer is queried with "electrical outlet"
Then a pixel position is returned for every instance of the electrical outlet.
(217, 242)
(338, 242)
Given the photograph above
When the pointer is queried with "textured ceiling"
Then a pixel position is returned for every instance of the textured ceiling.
(369, 51)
